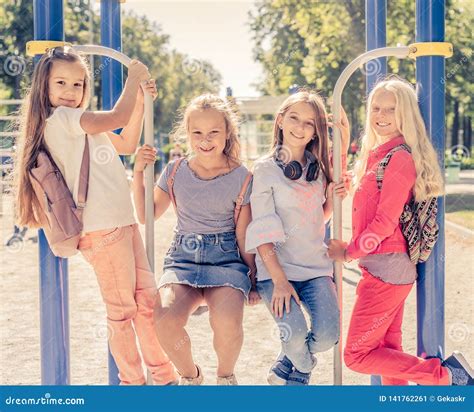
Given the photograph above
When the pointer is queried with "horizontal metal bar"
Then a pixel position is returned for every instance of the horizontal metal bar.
(104, 51)
(9, 102)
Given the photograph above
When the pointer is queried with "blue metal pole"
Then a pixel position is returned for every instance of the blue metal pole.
(112, 84)
(375, 37)
(54, 311)
(430, 85)
(111, 36)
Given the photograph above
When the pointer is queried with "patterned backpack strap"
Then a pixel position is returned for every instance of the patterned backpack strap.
(170, 181)
(240, 198)
(384, 163)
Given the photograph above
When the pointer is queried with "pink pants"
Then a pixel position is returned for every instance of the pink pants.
(128, 289)
(374, 340)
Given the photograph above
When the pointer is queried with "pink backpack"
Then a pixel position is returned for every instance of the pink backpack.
(238, 201)
(64, 218)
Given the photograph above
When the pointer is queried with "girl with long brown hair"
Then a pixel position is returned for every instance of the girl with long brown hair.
(291, 202)
(55, 119)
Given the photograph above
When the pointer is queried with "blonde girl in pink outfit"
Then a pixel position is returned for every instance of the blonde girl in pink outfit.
(55, 118)
(374, 340)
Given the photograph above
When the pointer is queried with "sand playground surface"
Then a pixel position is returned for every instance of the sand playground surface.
(20, 318)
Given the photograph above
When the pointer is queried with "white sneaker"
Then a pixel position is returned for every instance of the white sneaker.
(192, 381)
(227, 380)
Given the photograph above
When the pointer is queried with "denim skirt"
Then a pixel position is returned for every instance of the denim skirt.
(203, 261)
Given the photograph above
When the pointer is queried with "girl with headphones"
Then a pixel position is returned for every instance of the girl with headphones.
(291, 201)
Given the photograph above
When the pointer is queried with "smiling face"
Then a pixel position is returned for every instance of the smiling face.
(208, 132)
(382, 115)
(298, 125)
(66, 84)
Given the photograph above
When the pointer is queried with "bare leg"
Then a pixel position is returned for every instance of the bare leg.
(177, 303)
(226, 310)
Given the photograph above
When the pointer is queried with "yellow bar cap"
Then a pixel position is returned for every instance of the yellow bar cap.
(430, 49)
(35, 47)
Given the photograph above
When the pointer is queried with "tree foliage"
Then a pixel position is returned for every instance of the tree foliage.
(310, 42)
(178, 77)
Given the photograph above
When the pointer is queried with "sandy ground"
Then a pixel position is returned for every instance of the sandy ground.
(20, 319)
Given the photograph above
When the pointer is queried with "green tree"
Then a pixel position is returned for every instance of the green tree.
(310, 42)
(16, 22)
(178, 77)
(324, 30)
(459, 69)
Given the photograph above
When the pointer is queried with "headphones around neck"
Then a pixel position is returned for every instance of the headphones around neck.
(293, 170)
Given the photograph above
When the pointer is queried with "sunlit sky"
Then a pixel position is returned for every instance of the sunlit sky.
(216, 31)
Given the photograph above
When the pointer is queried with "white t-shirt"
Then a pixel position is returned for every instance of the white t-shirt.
(109, 203)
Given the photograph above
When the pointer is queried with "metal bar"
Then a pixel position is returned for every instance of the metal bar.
(111, 36)
(54, 311)
(112, 84)
(430, 85)
(54, 316)
(105, 52)
(375, 37)
(12, 101)
(149, 183)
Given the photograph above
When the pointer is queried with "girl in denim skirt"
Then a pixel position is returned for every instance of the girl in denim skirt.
(206, 263)
(291, 202)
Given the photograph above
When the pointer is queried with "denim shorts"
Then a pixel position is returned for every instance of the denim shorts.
(202, 261)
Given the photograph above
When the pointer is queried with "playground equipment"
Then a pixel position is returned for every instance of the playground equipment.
(6, 151)
(429, 51)
(6, 167)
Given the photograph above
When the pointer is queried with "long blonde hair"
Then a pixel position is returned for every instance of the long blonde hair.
(429, 181)
(319, 146)
(33, 114)
(206, 102)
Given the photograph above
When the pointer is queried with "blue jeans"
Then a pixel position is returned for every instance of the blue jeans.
(318, 296)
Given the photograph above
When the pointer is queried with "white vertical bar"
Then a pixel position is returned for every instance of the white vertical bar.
(149, 183)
